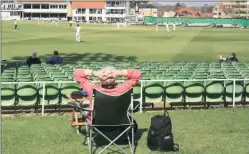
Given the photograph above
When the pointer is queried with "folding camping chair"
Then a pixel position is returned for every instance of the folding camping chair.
(111, 113)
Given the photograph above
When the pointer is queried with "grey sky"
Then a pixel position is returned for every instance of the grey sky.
(187, 3)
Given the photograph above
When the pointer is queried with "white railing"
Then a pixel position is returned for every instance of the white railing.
(141, 83)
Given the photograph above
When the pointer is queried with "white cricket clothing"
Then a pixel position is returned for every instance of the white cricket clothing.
(167, 27)
(118, 25)
(77, 30)
(77, 34)
(174, 27)
(15, 23)
(77, 37)
(71, 22)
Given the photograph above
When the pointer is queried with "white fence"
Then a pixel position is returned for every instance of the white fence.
(141, 83)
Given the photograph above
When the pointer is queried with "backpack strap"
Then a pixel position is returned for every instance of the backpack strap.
(176, 147)
(166, 113)
(164, 109)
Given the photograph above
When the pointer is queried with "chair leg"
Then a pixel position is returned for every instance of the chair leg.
(86, 136)
(129, 140)
(132, 140)
(76, 120)
(90, 141)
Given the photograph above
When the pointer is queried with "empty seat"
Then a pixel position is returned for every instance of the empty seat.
(51, 93)
(194, 92)
(229, 92)
(174, 93)
(153, 92)
(26, 94)
(7, 80)
(7, 94)
(247, 91)
(214, 92)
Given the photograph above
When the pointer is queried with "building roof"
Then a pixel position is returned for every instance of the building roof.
(96, 4)
(188, 9)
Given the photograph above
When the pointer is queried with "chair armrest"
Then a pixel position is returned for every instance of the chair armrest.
(85, 109)
(73, 104)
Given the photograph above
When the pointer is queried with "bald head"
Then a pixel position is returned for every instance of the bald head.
(106, 76)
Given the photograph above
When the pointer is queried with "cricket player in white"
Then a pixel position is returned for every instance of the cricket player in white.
(78, 33)
(167, 27)
(174, 26)
(15, 24)
(125, 25)
(71, 23)
(118, 25)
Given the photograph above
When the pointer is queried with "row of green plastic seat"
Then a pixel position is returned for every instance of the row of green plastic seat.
(212, 92)
(30, 94)
(172, 92)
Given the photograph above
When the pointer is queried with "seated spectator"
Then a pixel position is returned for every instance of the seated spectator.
(55, 59)
(33, 59)
(107, 83)
(233, 58)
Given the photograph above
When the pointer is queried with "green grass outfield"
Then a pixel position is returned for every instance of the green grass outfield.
(218, 131)
(140, 43)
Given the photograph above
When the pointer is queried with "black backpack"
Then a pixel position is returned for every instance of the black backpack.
(160, 137)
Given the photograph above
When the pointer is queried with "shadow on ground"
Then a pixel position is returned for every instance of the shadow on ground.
(100, 142)
(85, 57)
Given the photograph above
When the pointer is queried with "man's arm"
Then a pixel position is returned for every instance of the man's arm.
(49, 60)
(28, 61)
(82, 100)
(132, 76)
(81, 77)
(39, 61)
(61, 60)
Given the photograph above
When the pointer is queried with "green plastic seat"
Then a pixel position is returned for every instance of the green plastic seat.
(36, 76)
(67, 88)
(214, 92)
(9, 76)
(194, 92)
(153, 92)
(9, 71)
(7, 94)
(247, 91)
(174, 93)
(51, 93)
(137, 91)
(43, 79)
(53, 76)
(22, 76)
(26, 94)
(25, 80)
(229, 92)
(62, 79)
(7, 80)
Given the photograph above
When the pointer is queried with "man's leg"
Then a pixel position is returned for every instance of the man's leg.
(222, 59)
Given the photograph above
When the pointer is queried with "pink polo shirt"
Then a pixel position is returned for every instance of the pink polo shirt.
(132, 78)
